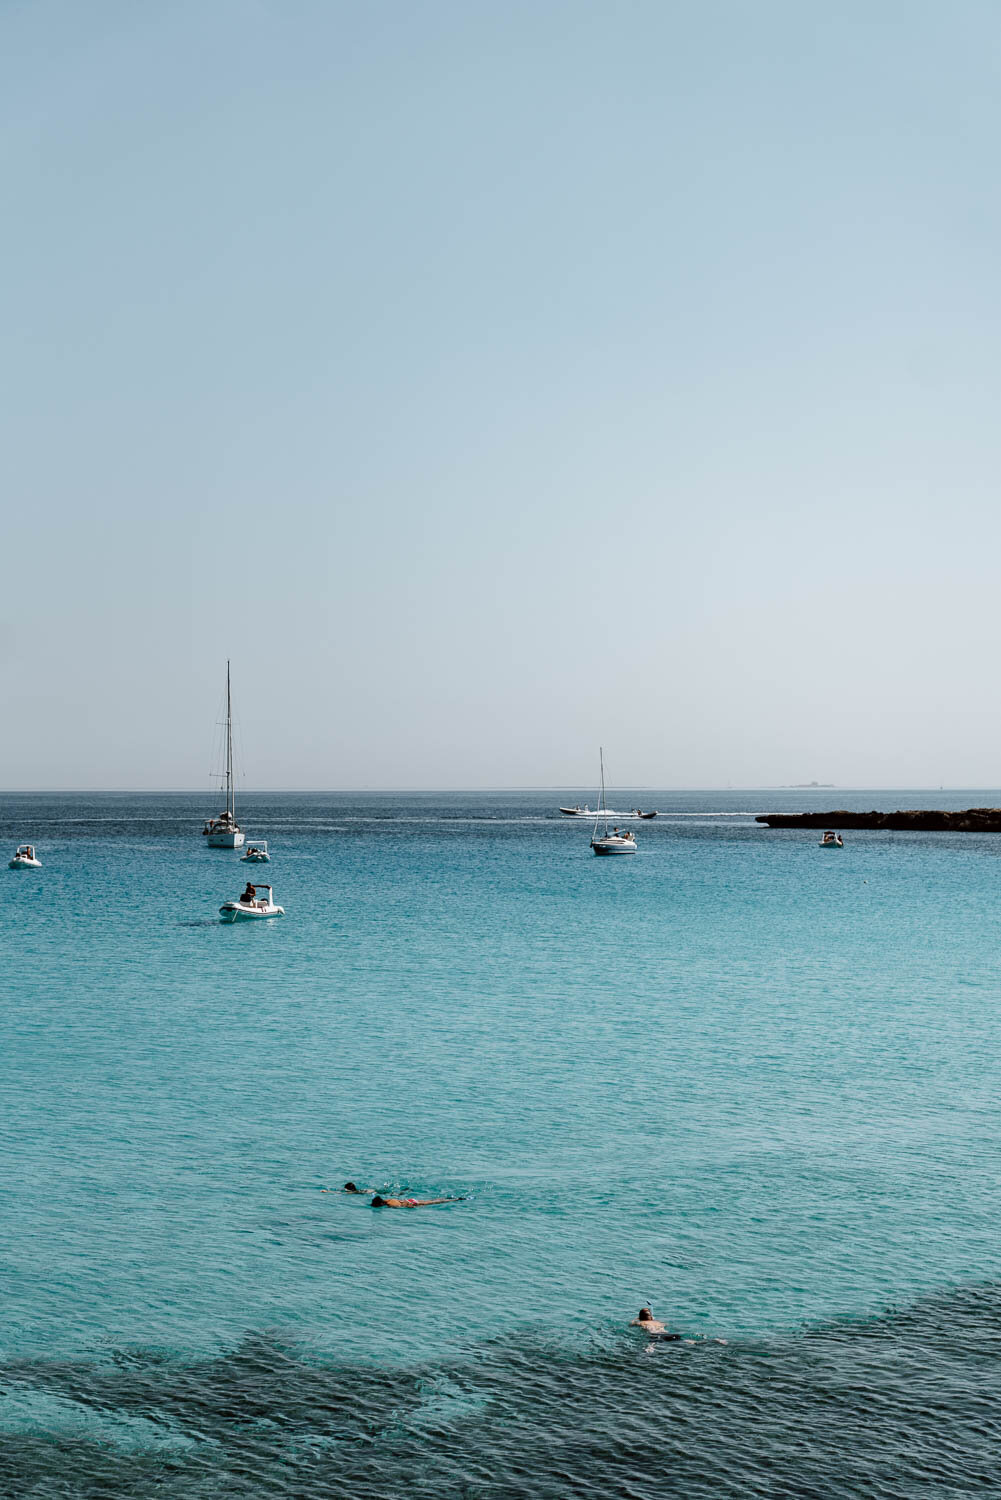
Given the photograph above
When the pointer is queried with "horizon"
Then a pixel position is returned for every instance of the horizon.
(430, 791)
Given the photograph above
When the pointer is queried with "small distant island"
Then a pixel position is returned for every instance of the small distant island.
(809, 786)
(919, 820)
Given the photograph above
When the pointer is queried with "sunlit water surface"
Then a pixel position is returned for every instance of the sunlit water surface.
(750, 1081)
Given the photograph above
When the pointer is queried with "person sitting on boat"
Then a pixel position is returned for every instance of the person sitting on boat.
(250, 895)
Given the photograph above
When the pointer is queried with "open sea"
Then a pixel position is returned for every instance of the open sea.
(750, 1082)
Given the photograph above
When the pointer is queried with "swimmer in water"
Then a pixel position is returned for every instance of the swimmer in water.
(654, 1327)
(647, 1322)
(349, 1187)
(379, 1202)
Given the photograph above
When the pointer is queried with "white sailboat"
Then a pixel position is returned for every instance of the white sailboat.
(224, 832)
(614, 842)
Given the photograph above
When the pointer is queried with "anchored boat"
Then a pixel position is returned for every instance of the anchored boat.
(256, 902)
(257, 853)
(832, 840)
(614, 842)
(25, 859)
(224, 832)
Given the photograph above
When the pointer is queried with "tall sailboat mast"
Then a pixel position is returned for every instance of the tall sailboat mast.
(230, 799)
(601, 808)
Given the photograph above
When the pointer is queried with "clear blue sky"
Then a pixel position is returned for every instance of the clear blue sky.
(494, 380)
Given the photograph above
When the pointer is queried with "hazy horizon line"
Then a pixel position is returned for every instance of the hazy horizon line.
(562, 788)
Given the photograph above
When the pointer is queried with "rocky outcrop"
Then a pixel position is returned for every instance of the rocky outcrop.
(920, 820)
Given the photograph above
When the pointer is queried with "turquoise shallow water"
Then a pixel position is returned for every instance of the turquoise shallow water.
(751, 1081)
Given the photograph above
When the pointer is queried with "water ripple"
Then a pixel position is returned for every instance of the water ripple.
(898, 1406)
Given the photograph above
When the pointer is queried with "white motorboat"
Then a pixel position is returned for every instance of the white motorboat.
(614, 842)
(832, 840)
(251, 908)
(25, 858)
(589, 812)
(256, 853)
(224, 832)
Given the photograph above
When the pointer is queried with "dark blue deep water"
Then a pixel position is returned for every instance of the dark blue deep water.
(750, 1081)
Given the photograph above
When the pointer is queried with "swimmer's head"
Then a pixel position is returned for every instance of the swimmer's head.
(646, 1316)
(378, 1202)
(349, 1187)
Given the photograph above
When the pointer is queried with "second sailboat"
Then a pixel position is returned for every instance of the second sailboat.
(224, 832)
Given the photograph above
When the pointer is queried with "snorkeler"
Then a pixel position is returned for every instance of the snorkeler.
(380, 1202)
(647, 1322)
(654, 1326)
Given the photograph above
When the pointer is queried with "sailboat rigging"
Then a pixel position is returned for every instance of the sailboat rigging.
(224, 832)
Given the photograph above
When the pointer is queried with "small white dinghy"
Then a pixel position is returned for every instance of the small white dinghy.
(256, 902)
(832, 840)
(257, 854)
(25, 859)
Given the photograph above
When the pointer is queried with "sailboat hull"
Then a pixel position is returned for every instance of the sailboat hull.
(613, 846)
(231, 839)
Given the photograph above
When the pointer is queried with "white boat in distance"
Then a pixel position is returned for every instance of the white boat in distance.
(589, 812)
(224, 832)
(25, 859)
(614, 842)
(832, 840)
(257, 853)
(251, 907)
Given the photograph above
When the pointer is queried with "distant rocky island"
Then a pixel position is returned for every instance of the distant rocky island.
(919, 820)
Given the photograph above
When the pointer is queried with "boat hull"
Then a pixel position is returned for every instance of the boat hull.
(231, 838)
(613, 846)
(830, 845)
(24, 864)
(236, 911)
(256, 859)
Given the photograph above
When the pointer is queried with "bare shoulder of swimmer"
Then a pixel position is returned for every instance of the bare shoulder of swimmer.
(648, 1322)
